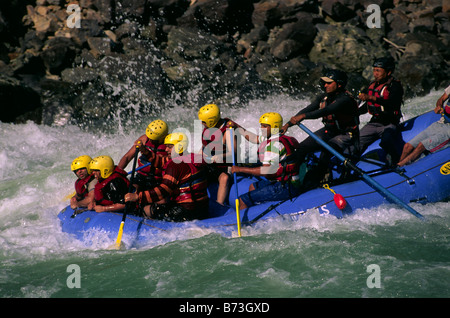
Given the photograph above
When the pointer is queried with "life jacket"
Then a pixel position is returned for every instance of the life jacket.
(142, 160)
(288, 169)
(213, 138)
(99, 191)
(81, 186)
(382, 91)
(446, 112)
(193, 187)
(340, 121)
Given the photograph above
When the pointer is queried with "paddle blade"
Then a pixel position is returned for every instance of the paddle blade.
(340, 201)
(119, 245)
(115, 247)
(69, 196)
(238, 217)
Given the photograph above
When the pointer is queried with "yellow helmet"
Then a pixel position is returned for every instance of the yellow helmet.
(103, 163)
(81, 162)
(179, 140)
(273, 119)
(210, 114)
(157, 130)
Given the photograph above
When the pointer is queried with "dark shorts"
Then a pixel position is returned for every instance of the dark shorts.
(176, 213)
(214, 171)
(266, 190)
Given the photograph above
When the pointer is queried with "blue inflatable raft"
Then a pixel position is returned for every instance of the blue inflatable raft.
(423, 181)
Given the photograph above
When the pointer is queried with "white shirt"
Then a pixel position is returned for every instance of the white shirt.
(274, 151)
(447, 90)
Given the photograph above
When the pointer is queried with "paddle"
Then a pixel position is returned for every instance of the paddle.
(141, 167)
(235, 183)
(270, 208)
(119, 245)
(383, 191)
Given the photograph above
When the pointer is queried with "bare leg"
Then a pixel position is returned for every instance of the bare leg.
(413, 155)
(242, 205)
(407, 149)
(148, 211)
(224, 185)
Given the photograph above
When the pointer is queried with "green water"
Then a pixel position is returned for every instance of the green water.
(306, 261)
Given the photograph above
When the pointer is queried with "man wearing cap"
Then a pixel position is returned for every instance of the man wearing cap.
(383, 101)
(339, 113)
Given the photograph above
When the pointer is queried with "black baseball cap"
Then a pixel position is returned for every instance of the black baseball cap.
(337, 76)
(386, 63)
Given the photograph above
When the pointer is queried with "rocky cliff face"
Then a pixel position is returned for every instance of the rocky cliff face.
(83, 61)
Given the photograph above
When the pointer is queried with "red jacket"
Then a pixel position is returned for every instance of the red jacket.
(212, 141)
(104, 194)
(81, 186)
(183, 182)
(159, 150)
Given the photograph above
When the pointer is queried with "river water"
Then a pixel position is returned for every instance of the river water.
(379, 253)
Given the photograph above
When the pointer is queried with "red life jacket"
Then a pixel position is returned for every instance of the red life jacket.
(81, 186)
(193, 187)
(289, 165)
(142, 160)
(212, 139)
(447, 112)
(99, 191)
(381, 91)
(341, 122)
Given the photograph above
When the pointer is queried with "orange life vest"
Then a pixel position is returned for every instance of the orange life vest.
(152, 170)
(192, 187)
